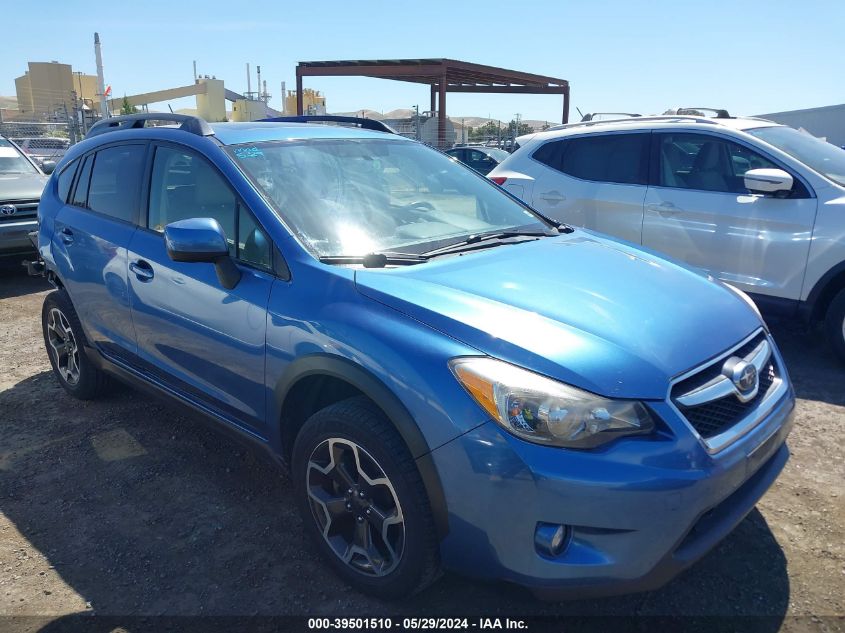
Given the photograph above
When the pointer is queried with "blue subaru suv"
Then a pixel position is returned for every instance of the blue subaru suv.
(454, 381)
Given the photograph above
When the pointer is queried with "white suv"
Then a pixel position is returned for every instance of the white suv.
(756, 204)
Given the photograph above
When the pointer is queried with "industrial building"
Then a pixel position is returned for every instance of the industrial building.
(313, 102)
(48, 88)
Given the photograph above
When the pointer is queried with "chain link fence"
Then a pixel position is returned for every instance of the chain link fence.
(42, 141)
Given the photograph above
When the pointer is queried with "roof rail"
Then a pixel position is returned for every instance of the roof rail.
(592, 115)
(366, 124)
(718, 113)
(192, 124)
(638, 119)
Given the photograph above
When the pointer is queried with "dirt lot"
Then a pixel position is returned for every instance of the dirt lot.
(128, 506)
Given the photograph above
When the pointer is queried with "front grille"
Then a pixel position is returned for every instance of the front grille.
(712, 418)
(26, 210)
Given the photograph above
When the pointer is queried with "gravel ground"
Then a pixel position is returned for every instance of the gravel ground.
(129, 506)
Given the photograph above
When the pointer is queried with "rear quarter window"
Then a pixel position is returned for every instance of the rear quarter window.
(65, 180)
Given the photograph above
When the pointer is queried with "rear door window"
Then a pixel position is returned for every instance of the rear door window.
(116, 181)
(617, 158)
(614, 158)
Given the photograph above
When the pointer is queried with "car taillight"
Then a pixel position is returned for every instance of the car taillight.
(499, 180)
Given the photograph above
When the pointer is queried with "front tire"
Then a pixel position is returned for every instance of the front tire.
(835, 324)
(363, 501)
(64, 340)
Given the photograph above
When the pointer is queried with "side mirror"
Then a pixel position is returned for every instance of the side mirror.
(202, 240)
(48, 167)
(767, 180)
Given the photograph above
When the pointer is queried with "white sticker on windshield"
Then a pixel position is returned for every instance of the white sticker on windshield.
(8, 152)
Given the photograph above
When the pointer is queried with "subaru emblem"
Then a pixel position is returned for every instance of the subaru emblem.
(744, 376)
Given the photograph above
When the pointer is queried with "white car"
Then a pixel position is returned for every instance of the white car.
(756, 204)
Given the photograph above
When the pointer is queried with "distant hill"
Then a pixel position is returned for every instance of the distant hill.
(468, 121)
(8, 103)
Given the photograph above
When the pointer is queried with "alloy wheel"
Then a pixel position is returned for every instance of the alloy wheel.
(355, 507)
(63, 346)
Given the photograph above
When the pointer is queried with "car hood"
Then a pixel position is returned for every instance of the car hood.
(22, 186)
(587, 310)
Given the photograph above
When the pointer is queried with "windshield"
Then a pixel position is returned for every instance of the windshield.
(347, 197)
(12, 161)
(818, 155)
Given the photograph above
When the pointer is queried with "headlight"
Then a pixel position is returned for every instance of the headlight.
(544, 411)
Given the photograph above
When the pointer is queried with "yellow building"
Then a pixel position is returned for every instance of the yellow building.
(312, 102)
(49, 87)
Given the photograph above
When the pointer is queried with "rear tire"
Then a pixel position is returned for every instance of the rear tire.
(835, 325)
(65, 344)
(357, 484)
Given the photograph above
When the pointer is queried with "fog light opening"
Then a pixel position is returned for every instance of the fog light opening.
(551, 539)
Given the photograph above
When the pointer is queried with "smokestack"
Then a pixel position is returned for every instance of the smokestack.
(195, 71)
(284, 99)
(248, 80)
(101, 82)
(265, 91)
(258, 87)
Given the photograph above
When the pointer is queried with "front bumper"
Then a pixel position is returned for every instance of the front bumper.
(14, 236)
(639, 511)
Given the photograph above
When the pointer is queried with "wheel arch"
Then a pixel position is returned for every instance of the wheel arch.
(315, 381)
(822, 294)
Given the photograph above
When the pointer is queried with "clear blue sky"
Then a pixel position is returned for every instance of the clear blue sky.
(750, 57)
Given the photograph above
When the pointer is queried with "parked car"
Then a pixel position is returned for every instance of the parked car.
(454, 380)
(45, 150)
(481, 159)
(21, 183)
(756, 204)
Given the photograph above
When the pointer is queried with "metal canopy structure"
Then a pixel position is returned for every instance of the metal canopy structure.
(443, 75)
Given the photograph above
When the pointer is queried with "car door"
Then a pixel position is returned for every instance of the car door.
(90, 240)
(196, 336)
(597, 181)
(699, 211)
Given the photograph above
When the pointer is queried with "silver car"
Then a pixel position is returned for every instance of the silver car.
(21, 184)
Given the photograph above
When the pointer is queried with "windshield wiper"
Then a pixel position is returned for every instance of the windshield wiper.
(376, 260)
(485, 240)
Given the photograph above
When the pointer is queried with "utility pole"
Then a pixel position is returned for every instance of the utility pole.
(101, 82)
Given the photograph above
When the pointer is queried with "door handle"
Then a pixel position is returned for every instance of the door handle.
(66, 235)
(143, 271)
(664, 208)
(552, 197)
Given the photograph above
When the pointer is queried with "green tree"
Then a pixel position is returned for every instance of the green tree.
(127, 108)
(491, 130)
